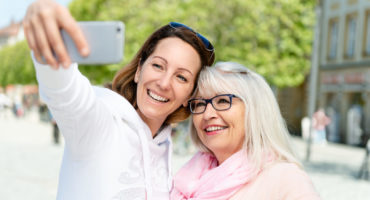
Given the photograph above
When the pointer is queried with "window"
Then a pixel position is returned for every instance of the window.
(333, 38)
(350, 36)
(366, 47)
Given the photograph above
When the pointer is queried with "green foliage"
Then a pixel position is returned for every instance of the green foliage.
(16, 65)
(273, 37)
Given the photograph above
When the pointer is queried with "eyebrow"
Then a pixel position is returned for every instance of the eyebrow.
(181, 68)
(161, 58)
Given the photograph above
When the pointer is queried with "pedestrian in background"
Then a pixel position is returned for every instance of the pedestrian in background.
(55, 132)
(319, 122)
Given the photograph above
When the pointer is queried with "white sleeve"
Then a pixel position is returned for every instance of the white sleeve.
(82, 118)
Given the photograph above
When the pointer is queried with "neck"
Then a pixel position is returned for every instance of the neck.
(153, 124)
(154, 127)
(223, 155)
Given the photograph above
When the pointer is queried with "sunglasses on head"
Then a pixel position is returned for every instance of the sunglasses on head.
(205, 41)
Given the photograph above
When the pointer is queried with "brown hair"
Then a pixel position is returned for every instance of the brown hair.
(124, 84)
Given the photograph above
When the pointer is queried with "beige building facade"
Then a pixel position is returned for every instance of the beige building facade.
(344, 69)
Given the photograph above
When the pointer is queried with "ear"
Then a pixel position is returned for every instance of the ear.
(185, 104)
(137, 74)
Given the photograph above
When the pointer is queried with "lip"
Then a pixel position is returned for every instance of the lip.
(212, 133)
(215, 132)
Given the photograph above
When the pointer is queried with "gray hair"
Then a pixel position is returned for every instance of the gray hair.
(266, 131)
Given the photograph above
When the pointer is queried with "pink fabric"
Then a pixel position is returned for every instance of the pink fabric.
(202, 179)
(320, 120)
(280, 180)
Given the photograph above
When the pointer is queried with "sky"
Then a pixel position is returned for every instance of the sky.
(16, 9)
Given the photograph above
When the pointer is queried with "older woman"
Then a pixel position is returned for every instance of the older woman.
(243, 142)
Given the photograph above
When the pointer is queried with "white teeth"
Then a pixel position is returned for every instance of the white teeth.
(214, 128)
(156, 97)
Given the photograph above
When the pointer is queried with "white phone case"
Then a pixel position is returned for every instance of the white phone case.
(105, 39)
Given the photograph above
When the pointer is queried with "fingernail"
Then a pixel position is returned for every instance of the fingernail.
(85, 51)
(65, 64)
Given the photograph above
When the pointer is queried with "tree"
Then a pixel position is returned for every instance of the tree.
(273, 37)
(16, 65)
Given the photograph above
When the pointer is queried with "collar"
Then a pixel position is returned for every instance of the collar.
(162, 135)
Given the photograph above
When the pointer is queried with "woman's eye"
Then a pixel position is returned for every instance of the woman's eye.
(182, 78)
(157, 66)
(221, 101)
(200, 104)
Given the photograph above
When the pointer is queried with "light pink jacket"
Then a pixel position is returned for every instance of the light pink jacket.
(280, 181)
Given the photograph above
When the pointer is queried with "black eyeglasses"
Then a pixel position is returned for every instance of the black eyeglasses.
(205, 41)
(220, 102)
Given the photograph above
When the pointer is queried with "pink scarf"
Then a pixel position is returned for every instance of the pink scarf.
(202, 179)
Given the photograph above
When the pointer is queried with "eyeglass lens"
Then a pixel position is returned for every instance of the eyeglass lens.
(221, 102)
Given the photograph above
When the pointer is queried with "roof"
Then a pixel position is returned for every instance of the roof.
(11, 30)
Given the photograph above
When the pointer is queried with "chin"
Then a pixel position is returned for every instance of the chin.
(153, 114)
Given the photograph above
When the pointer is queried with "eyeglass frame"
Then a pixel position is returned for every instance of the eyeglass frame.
(204, 40)
(231, 96)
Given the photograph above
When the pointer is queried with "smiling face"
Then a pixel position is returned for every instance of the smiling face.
(166, 80)
(222, 132)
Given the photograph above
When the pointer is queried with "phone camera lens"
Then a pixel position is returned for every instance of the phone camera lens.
(118, 29)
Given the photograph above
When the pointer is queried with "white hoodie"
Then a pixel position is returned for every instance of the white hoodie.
(109, 151)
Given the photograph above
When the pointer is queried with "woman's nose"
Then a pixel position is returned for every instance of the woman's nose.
(210, 112)
(165, 81)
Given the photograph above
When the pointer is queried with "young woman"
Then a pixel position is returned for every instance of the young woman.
(117, 143)
(243, 142)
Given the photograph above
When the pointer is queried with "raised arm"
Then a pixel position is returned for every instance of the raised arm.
(82, 118)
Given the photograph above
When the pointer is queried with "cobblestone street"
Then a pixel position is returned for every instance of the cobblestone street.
(30, 162)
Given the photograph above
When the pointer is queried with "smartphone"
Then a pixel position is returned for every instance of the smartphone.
(105, 39)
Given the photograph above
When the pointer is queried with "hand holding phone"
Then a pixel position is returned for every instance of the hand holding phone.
(42, 24)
